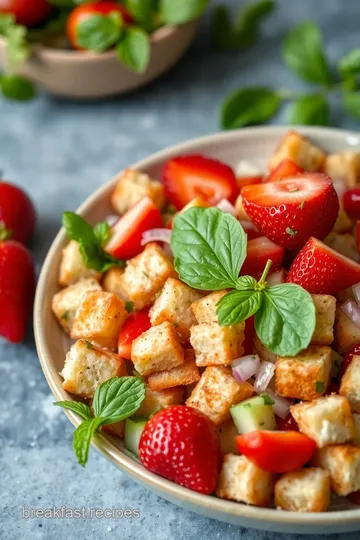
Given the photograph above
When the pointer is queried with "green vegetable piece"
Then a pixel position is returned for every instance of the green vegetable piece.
(349, 64)
(181, 11)
(249, 106)
(253, 414)
(309, 110)
(133, 429)
(16, 87)
(134, 49)
(99, 32)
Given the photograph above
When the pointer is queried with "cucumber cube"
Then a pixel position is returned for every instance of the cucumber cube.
(133, 430)
(254, 414)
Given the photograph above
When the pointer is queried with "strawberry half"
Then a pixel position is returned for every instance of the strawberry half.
(182, 444)
(290, 211)
(321, 270)
(259, 251)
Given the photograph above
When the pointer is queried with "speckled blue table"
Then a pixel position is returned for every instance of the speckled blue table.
(62, 151)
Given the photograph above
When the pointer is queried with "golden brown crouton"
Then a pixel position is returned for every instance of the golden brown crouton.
(343, 463)
(327, 420)
(325, 306)
(186, 373)
(111, 281)
(133, 186)
(227, 434)
(99, 318)
(350, 384)
(154, 401)
(216, 345)
(305, 376)
(344, 244)
(347, 334)
(216, 392)
(157, 349)
(117, 429)
(72, 266)
(299, 149)
(240, 210)
(344, 166)
(240, 480)
(87, 366)
(173, 305)
(305, 490)
(356, 439)
(204, 309)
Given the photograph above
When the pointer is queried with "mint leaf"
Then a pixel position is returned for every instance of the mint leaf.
(236, 306)
(16, 87)
(144, 12)
(304, 54)
(309, 110)
(99, 32)
(118, 398)
(181, 11)
(351, 104)
(134, 49)
(81, 409)
(102, 232)
(82, 438)
(349, 64)
(248, 106)
(209, 247)
(286, 319)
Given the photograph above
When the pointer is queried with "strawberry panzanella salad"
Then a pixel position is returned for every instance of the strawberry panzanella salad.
(216, 325)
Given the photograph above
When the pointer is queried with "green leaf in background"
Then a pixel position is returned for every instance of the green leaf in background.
(16, 87)
(304, 54)
(248, 106)
(134, 49)
(53, 27)
(64, 3)
(236, 306)
(309, 110)
(81, 409)
(349, 64)
(18, 50)
(82, 438)
(118, 398)
(351, 104)
(181, 11)
(144, 12)
(100, 32)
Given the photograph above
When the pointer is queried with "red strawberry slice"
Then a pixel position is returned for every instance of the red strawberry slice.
(290, 211)
(285, 169)
(135, 325)
(17, 212)
(321, 270)
(190, 176)
(182, 444)
(259, 251)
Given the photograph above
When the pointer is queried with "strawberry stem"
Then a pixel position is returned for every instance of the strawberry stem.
(262, 280)
(5, 234)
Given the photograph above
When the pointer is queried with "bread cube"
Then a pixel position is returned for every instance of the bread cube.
(155, 401)
(173, 305)
(305, 490)
(344, 166)
(144, 276)
(264, 354)
(240, 480)
(133, 186)
(184, 374)
(216, 392)
(305, 376)
(343, 463)
(356, 439)
(299, 149)
(204, 309)
(157, 349)
(325, 306)
(117, 429)
(343, 223)
(327, 420)
(350, 384)
(87, 366)
(227, 435)
(216, 345)
(72, 266)
(347, 334)
(112, 281)
(344, 244)
(240, 210)
(99, 318)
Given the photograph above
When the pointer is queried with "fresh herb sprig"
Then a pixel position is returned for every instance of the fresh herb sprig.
(209, 247)
(114, 400)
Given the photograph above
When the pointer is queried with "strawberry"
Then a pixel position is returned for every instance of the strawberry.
(321, 270)
(182, 444)
(290, 211)
(259, 251)
(285, 169)
(135, 325)
(17, 212)
(17, 285)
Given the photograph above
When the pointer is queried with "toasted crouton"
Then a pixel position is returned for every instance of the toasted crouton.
(117, 429)
(344, 244)
(133, 186)
(216, 392)
(264, 353)
(186, 373)
(72, 266)
(356, 439)
(343, 223)
(347, 333)
(111, 281)
(87, 366)
(241, 480)
(325, 306)
(204, 309)
(299, 149)
(173, 305)
(154, 401)
(216, 345)
(305, 376)
(305, 490)
(327, 420)
(343, 463)
(157, 349)
(240, 210)
(227, 434)
(344, 166)
(99, 318)
(350, 384)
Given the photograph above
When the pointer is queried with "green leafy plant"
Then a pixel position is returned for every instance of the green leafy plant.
(209, 247)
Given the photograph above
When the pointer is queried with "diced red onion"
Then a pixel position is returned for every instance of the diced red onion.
(356, 291)
(276, 278)
(156, 235)
(281, 406)
(244, 168)
(225, 206)
(111, 220)
(264, 376)
(352, 310)
(245, 367)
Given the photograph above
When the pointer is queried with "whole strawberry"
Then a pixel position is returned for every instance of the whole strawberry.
(182, 444)
(17, 212)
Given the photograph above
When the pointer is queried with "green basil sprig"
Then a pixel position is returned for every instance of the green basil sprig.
(209, 247)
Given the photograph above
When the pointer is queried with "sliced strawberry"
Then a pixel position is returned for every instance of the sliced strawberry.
(135, 325)
(321, 270)
(190, 176)
(290, 211)
(17, 212)
(357, 235)
(250, 229)
(285, 169)
(125, 241)
(243, 181)
(259, 251)
(351, 202)
(287, 424)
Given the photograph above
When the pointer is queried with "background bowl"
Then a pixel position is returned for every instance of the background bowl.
(254, 145)
(87, 75)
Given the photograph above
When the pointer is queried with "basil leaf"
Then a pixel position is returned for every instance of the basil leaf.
(16, 87)
(118, 398)
(99, 32)
(209, 247)
(309, 110)
(248, 106)
(236, 306)
(349, 64)
(81, 409)
(304, 54)
(144, 12)
(351, 104)
(102, 232)
(245, 283)
(82, 438)
(181, 11)
(134, 49)
(286, 319)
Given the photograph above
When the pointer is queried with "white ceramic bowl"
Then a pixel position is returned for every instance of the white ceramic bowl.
(254, 145)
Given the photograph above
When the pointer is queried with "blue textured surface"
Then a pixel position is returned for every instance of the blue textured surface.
(61, 151)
